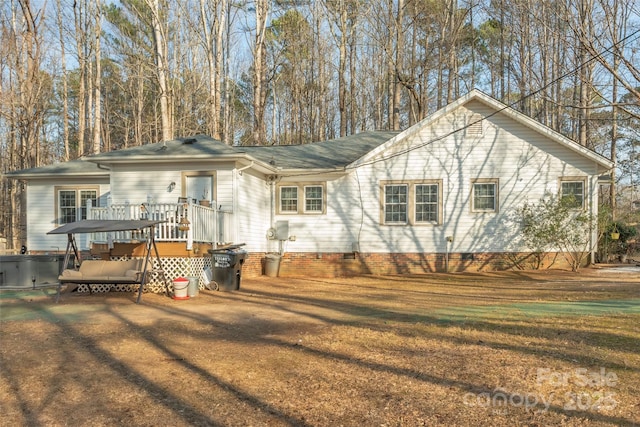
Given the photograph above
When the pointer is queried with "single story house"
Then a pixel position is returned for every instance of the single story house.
(435, 196)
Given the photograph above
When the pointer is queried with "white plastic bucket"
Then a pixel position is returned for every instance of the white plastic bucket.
(180, 288)
(194, 283)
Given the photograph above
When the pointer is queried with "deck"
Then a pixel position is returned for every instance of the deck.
(183, 222)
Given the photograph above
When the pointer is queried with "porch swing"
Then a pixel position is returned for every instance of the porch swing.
(92, 272)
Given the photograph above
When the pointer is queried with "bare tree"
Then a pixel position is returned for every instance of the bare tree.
(65, 82)
(345, 16)
(82, 51)
(259, 76)
(160, 40)
(96, 83)
(24, 103)
(213, 16)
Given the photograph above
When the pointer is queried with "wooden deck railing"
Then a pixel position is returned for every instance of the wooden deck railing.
(205, 224)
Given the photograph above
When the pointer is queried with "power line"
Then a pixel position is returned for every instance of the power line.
(506, 107)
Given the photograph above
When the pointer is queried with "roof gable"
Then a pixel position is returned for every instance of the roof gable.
(498, 108)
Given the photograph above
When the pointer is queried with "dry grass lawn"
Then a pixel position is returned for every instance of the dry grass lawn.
(517, 348)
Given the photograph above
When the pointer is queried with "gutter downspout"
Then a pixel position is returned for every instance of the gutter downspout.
(272, 209)
(244, 168)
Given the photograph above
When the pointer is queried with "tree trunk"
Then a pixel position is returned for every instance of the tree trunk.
(399, 65)
(97, 96)
(342, 67)
(80, 36)
(65, 85)
(162, 69)
(259, 134)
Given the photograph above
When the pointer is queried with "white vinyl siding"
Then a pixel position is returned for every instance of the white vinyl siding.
(524, 164)
(250, 218)
(155, 184)
(42, 202)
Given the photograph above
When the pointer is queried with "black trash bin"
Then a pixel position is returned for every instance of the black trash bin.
(227, 267)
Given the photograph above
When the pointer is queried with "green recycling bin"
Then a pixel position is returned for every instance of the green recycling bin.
(227, 267)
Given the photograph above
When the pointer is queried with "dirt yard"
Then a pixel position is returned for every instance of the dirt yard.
(518, 348)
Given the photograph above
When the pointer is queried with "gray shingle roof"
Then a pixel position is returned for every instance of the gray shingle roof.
(79, 167)
(335, 153)
(195, 146)
(332, 154)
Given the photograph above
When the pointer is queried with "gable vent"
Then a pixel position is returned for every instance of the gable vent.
(474, 125)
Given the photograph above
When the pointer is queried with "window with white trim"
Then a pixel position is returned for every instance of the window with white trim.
(303, 198)
(289, 199)
(71, 203)
(484, 195)
(411, 202)
(396, 203)
(426, 203)
(573, 190)
(313, 199)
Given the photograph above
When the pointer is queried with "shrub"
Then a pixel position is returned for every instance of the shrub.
(554, 224)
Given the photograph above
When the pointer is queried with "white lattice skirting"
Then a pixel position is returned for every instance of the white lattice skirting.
(173, 267)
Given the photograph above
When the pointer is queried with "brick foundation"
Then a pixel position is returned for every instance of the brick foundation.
(347, 264)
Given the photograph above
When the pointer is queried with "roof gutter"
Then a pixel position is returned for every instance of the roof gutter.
(245, 167)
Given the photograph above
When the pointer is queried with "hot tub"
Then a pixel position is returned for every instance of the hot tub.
(29, 271)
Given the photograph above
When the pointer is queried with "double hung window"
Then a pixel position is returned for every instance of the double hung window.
(301, 199)
(411, 202)
(484, 195)
(572, 190)
(72, 203)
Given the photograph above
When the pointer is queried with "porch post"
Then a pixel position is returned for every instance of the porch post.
(216, 216)
(190, 217)
(89, 204)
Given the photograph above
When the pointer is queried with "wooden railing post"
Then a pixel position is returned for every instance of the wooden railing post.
(216, 238)
(190, 217)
